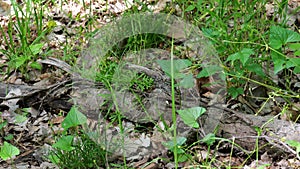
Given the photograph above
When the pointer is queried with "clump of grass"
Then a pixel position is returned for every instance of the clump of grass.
(118, 53)
(22, 36)
(84, 154)
(74, 147)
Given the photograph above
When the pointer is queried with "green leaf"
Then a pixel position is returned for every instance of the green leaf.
(295, 144)
(293, 62)
(242, 56)
(64, 143)
(256, 68)
(36, 65)
(296, 70)
(8, 151)
(190, 115)
(20, 118)
(54, 158)
(258, 130)
(9, 137)
(3, 124)
(263, 166)
(279, 62)
(294, 46)
(178, 66)
(179, 142)
(210, 32)
(281, 36)
(209, 70)
(234, 92)
(74, 118)
(36, 48)
(184, 157)
(187, 81)
(209, 139)
(190, 8)
(19, 61)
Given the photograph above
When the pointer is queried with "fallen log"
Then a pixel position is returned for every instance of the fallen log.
(231, 124)
(239, 127)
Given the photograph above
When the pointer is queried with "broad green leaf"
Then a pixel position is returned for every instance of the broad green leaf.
(279, 62)
(36, 48)
(74, 118)
(242, 56)
(294, 46)
(234, 91)
(209, 139)
(209, 70)
(20, 118)
(184, 157)
(179, 141)
(295, 144)
(256, 68)
(8, 151)
(187, 81)
(19, 61)
(190, 115)
(281, 36)
(64, 143)
(178, 66)
(293, 62)
(297, 70)
(36, 65)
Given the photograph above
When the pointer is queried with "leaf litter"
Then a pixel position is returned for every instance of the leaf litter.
(36, 128)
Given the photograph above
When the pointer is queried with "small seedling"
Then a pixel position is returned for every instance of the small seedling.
(191, 115)
(73, 119)
(8, 151)
(182, 155)
(76, 149)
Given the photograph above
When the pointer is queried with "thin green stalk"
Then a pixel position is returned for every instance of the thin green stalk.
(119, 122)
(278, 91)
(173, 106)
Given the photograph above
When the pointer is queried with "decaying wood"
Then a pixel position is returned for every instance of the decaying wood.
(240, 128)
(231, 124)
(237, 126)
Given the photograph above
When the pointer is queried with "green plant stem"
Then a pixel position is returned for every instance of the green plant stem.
(173, 106)
(278, 91)
(119, 122)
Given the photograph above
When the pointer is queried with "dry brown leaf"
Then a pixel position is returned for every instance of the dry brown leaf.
(57, 120)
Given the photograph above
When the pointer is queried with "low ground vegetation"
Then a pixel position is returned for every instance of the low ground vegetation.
(258, 44)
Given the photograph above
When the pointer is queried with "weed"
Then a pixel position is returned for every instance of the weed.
(247, 42)
(7, 150)
(141, 83)
(23, 51)
(117, 55)
(76, 149)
